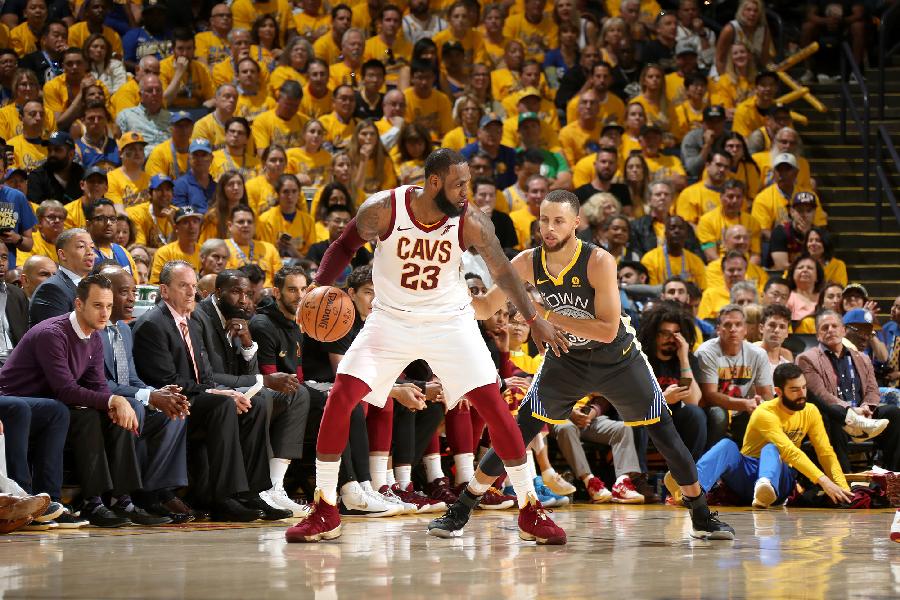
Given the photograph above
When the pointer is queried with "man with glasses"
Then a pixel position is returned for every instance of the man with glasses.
(149, 118)
(340, 123)
(212, 46)
(102, 217)
(51, 217)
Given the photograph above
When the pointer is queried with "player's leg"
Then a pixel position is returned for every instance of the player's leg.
(774, 478)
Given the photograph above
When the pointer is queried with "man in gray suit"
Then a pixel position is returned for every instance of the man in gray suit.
(223, 318)
(162, 445)
(56, 296)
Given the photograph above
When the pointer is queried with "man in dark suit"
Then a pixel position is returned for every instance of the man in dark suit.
(162, 443)
(56, 296)
(172, 352)
(843, 386)
(13, 310)
(223, 319)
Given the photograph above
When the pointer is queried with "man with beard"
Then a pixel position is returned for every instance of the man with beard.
(101, 218)
(423, 310)
(577, 281)
(605, 167)
(59, 178)
(421, 22)
(223, 318)
(765, 469)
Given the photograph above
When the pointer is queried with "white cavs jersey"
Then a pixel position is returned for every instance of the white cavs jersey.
(417, 267)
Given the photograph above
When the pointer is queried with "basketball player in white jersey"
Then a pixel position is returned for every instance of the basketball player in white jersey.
(422, 309)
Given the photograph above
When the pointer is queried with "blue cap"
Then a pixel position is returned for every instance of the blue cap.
(94, 170)
(200, 145)
(13, 170)
(488, 119)
(60, 138)
(180, 115)
(158, 180)
(858, 316)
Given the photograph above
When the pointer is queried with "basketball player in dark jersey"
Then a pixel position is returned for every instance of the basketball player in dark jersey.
(577, 281)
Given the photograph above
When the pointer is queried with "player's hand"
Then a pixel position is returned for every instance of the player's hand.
(682, 348)
(748, 405)
(240, 329)
(838, 494)
(545, 333)
(674, 393)
(433, 391)
(409, 395)
(170, 402)
(581, 419)
(520, 382)
(121, 413)
(285, 383)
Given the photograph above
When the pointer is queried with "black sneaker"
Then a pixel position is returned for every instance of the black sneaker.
(54, 509)
(139, 516)
(67, 520)
(101, 516)
(451, 524)
(270, 513)
(231, 510)
(706, 525)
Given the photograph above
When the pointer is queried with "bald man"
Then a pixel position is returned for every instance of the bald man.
(737, 237)
(394, 107)
(35, 270)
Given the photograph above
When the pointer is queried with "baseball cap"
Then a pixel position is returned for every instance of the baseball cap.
(451, 45)
(91, 171)
(525, 116)
(612, 124)
(777, 108)
(859, 316)
(60, 138)
(488, 119)
(785, 158)
(685, 47)
(200, 145)
(529, 91)
(713, 112)
(130, 137)
(187, 211)
(651, 128)
(855, 288)
(13, 171)
(763, 74)
(180, 115)
(158, 180)
(804, 199)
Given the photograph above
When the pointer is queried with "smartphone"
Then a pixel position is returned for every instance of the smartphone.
(685, 381)
(285, 238)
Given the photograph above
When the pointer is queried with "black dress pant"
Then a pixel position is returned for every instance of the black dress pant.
(888, 441)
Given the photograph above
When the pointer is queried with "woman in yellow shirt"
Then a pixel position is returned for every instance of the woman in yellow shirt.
(820, 246)
(230, 191)
(743, 167)
(292, 65)
(653, 97)
(374, 169)
(333, 194)
(415, 146)
(310, 163)
(287, 225)
(736, 84)
(25, 87)
(467, 113)
(266, 46)
(24, 37)
(261, 189)
(611, 36)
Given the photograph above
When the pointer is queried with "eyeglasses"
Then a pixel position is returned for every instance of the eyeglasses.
(666, 334)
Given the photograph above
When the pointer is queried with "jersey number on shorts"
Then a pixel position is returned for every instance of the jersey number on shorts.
(414, 277)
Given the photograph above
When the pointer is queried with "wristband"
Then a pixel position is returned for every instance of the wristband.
(532, 319)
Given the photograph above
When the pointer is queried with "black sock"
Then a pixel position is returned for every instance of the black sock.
(469, 500)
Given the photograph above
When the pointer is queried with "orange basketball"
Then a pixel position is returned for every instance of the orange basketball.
(326, 314)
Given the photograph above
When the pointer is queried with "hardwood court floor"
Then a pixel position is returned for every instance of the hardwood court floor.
(622, 552)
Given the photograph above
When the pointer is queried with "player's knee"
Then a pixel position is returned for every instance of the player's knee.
(347, 392)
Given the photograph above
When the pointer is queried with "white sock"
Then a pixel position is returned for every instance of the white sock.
(477, 488)
(548, 473)
(378, 469)
(277, 468)
(389, 478)
(529, 462)
(522, 482)
(433, 467)
(404, 475)
(465, 467)
(587, 478)
(327, 478)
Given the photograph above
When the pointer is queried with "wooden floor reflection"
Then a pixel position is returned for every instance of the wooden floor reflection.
(622, 552)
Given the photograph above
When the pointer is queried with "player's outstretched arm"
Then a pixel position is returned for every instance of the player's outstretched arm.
(487, 305)
(479, 232)
(371, 222)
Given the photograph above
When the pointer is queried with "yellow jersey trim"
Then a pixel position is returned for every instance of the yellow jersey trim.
(558, 280)
(548, 419)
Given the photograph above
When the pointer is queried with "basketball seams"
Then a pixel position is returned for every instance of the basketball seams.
(333, 306)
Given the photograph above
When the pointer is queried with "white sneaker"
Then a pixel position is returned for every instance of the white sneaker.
(278, 498)
(624, 492)
(807, 78)
(862, 428)
(558, 485)
(895, 527)
(390, 497)
(356, 501)
(763, 493)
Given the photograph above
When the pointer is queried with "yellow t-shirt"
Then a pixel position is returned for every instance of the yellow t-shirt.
(472, 43)
(537, 38)
(79, 33)
(246, 11)
(22, 40)
(412, 172)
(161, 162)
(654, 113)
(341, 74)
(510, 200)
(315, 107)
(522, 220)
(127, 96)
(576, 142)
(41, 247)
(312, 27)
(269, 128)
(338, 132)
(493, 53)
(224, 71)
(763, 160)
(272, 223)
(326, 49)
(315, 166)
(247, 165)
(770, 207)
(434, 113)
(712, 301)
(56, 94)
(836, 271)
(747, 117)
(210, 129)
(171, 252)
(526, 362)
(399, 57)
(664, 166)
(75, 214)
(28, 156)
(11, 122)
(456, 139)
(375, 182)
(713, 224)
(549, 134)
(689, 266)
(686, 119)
(211, 48)
(195, 88)
(251, 107)
(611, 109)
(715, 277)
(726, 93)
(260, 194)
(147, 228)
(283, 73)
(503, 83)
(258, 252)
(771, 423)
(696, 200)
(124, 191)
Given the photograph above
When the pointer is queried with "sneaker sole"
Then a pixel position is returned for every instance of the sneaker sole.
(72, 525)
(764, 496)
(50, 516)
(604, 500)
(307, 539)
(38, 526)
(352, 512)
(627, 500)
(501, 506)
(715, 535)
(551, 541)
(431, 508)
(562, 491)
(445, 534)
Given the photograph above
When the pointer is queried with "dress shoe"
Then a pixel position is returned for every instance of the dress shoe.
(270, 513)
(139, 516)
(178, 506)
(101, 516)
(176, 518)
(230, 509)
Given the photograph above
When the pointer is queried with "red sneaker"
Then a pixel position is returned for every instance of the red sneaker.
(597, 491)
(423, 503)
(624, 492)
(439, 489)
(494, 499)
(323, 523)
(535, 525)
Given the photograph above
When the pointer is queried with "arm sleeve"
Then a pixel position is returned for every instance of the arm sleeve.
(61, 379)
(818, 437)
(871, 395)
(155, 364)
(48, 301)
(339, 255)
(709, 367)
(816, 382)
(769, 428)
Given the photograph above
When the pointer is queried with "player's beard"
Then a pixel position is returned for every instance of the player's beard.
(230, 311)
(559, 245)
(445, 206)
(795, 404)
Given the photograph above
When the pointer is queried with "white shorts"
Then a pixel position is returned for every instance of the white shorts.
(452, 346)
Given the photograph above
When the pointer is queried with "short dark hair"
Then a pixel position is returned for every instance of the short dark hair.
(240, 208)
(421, 66)
(694, 291)
(340, 87)
(46, 29)
(531, 155)
(775, 281)
(290, 89)
(389, 7)
(565, 197)
(224, 278)
(483, 181)
(373, 63)
(694, 78)
(629, 264)
(728, 309)
(89, 211)
(66, 236)
(674, 279)
(336, 208)
(339, 7)
(440, 161)
(776, 310)
(84, 286)
(283, 273)
(731, 254)
(735, 184)
(784, 373)
(253, 272)
(182, 34)
(359, 277)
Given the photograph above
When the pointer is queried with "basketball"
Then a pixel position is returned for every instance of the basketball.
(326, 314)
